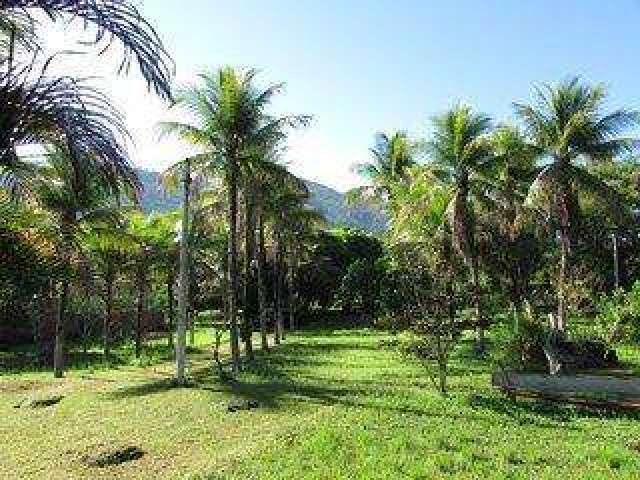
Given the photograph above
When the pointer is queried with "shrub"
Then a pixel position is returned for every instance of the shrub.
(618, 319)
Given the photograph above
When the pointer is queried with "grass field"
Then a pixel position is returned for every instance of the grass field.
(332, 405)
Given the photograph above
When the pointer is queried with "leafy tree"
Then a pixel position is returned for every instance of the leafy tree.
(420, 206)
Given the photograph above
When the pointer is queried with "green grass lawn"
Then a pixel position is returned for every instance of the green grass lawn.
(333, 405)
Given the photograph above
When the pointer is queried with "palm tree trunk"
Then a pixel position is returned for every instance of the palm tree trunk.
(12, 48)
(563, 204)
(181, 331)
(233, 263)
(277, 310)
(560, 322)
(262, 293)
(58, 351)
(292, 293)
(108, 319)
(278, 287)
(249, 277)
(480, 341)
(170, 313)
(140, 309)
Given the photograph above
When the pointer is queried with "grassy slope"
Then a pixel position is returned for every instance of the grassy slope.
(333, 405)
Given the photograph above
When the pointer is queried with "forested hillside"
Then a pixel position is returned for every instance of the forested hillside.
(331, 203)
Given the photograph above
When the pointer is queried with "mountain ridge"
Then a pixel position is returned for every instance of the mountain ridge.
(328, 201)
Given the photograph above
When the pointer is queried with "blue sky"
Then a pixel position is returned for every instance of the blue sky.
(362, 66)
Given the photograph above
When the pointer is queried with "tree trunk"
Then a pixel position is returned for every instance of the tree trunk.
(249, 310)
(563, 207)
(12, 48)
(277, 318)
(562, 281)
(48, 325)
(140, 310)
(170, 313)
(616, 261)
(233, 264)
(58, 352)
(108, 319)
(480, 341)
(262, 294)
(291, 288)
(183, 293)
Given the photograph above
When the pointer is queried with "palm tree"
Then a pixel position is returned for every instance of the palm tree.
(514, 168)
(568, 125)
(76, 195)
(231, 121)
(181, 173)
(44, 110)
(59, 111)
(459, 152)
(392, 157)
(287, 207)
(299, 221)
(111, 19)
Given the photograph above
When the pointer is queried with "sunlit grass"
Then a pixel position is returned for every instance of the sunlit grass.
(332, 405)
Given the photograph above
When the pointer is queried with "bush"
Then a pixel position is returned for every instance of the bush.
(521, 349)
(618, 319)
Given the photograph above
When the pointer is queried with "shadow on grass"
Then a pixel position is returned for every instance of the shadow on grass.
(292, 375)
(524, 409)
(274, 382)
(26, 360)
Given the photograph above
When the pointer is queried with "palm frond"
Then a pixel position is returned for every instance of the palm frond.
(113, 20)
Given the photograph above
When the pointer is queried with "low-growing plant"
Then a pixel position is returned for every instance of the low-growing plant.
(618, 319)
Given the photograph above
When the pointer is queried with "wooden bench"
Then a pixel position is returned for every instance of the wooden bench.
(585, 390)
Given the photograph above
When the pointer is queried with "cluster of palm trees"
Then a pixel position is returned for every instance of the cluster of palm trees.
(512, 175)
(240, 142)
(81, 180)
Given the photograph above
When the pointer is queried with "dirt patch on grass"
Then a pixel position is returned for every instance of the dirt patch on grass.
(40, 402)
(110, 458)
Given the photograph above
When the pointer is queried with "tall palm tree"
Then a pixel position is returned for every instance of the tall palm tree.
(459, 152)
(287, 208)
(75, 195)
(181, 174)
(231, 121)
(568, 124)
(391, 157)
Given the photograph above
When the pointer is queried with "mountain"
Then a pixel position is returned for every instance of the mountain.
(335, 208)
(331, 203)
